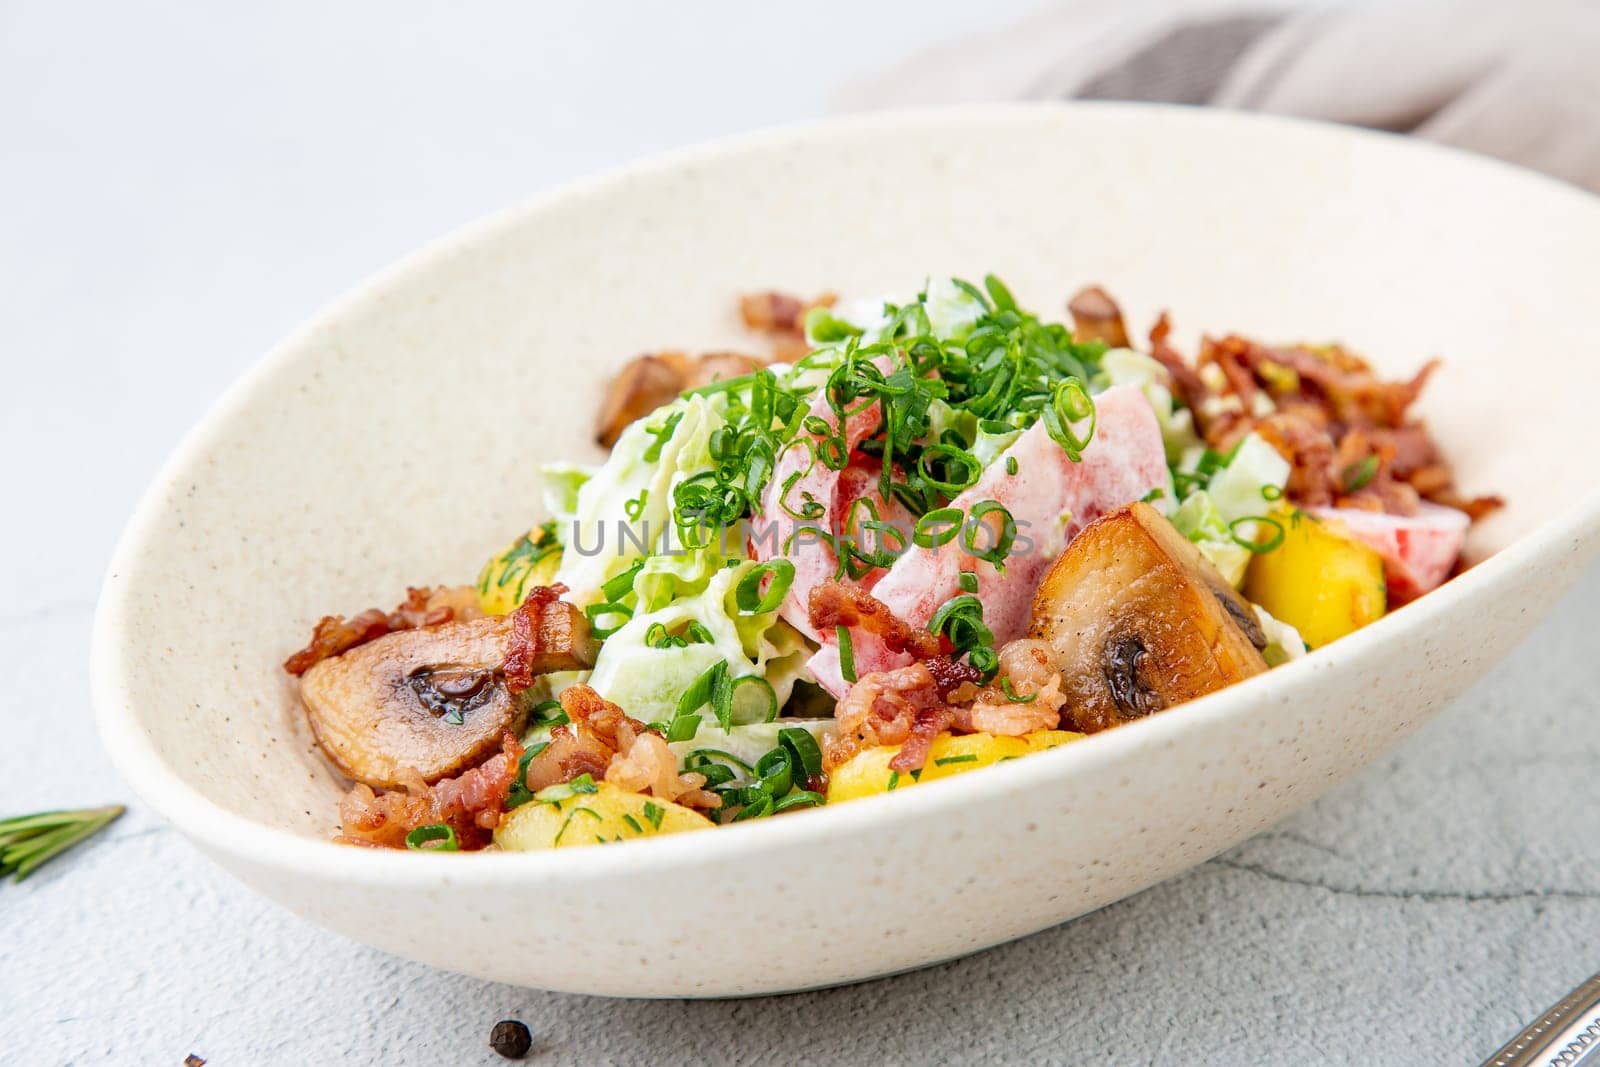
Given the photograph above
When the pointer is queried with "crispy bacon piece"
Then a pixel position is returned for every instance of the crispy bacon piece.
(832, 604)
(335, 635)
(547, 634)
(899, 707)
(1028, 667)
(1346, 433)
(604, 742)
(469, 803)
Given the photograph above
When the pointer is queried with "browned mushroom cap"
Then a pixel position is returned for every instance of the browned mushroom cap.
(433, 701)
(654, 379)
(1139, 621)
(647, 382)
(1096, 317)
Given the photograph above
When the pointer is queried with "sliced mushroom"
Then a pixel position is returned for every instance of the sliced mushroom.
(433, 701)
(647, 382)
(1096, 317)
(547, 634)
(653, 379)
(1138, 621)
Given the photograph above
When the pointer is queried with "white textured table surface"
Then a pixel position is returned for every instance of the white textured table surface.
(179, 187)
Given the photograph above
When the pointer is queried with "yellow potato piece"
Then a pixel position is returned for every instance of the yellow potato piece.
(1319, 580)
(602, 817)
(1043, 739)
(505, 580)
(868, 773)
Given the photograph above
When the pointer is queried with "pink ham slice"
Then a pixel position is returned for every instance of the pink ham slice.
(1123, 463)
(813, 556)
(859, 482)
(1418, 550)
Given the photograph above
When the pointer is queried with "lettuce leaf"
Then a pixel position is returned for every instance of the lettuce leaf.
(647, 682)
(623, 512)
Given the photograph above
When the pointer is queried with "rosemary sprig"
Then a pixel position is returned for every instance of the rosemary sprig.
(29, 841)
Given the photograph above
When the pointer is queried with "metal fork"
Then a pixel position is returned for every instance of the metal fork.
(1568, 1035)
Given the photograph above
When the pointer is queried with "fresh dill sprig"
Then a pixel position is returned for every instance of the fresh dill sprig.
(27, 842)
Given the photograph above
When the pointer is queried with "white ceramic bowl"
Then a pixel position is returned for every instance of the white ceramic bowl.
(394, 440)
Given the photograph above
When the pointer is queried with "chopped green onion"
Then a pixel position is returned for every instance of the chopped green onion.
(662, 435)
(800, 798)
(1013, 696)
(847, 654)
(759, 809)
(702, 756)
(748, 596)
(608, 608)
(654, 813)
(555, 794)
(1069, 403)
(970, 757)
(435, 837)
(1255, 545)
(1357, 475)
(937, 528)
(804, 754)
(1011, 465)
(769, 706)
(549, 713)
(1007, 537)
(519, 795)
(773, 772)
(968, 581)
(683, 728)
(619, 586)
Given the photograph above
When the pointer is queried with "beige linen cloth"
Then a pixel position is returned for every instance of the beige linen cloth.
(1508, 78)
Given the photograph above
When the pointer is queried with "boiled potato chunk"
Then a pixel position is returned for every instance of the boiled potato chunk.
(868, 772)
(1318, 580)
(607, 815)
(528, 561)
(1139, 620)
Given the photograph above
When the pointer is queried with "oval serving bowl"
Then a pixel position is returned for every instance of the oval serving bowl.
(394, 440)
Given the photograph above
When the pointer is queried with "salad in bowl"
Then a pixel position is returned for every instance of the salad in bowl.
(911, 538)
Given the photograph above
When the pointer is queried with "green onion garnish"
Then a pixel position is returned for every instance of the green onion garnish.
(435, 837)
(747, 593)
(596, 612)
(847, 654)
(555, 794)
(970, 757)
(1357, 475)
(1013, 696)
(804, 754)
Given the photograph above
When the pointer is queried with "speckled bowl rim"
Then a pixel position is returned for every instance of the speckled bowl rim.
(164, 788)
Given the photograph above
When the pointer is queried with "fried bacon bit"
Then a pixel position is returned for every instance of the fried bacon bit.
(899, 707)
(1347, 434)
(547, 634)
(469, 803)
(648, 766)
(833, 604)
(602, 741)
(1027, 666)
(335, 635)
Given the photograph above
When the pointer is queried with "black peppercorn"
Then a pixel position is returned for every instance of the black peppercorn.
(511, 1039)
